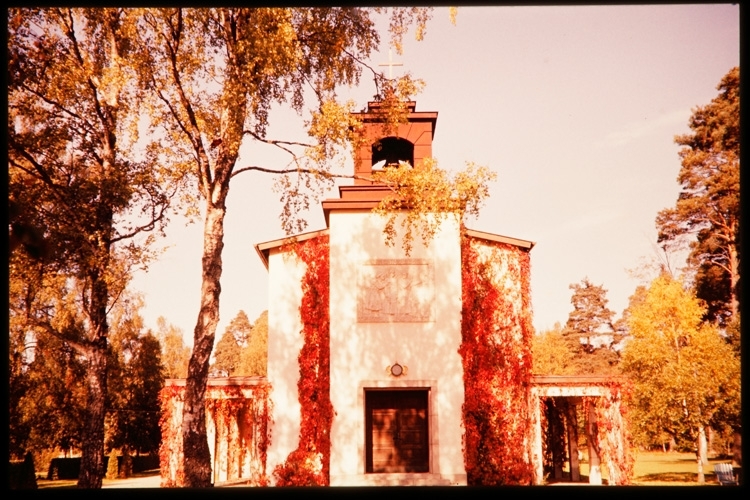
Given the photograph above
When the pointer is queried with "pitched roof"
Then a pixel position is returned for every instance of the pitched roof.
(264, 249)
(528, 245)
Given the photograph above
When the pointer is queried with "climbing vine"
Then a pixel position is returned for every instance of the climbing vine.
(610, 439)
(613, 433)
(170, 448)
(249, 408)
(496, 353)
(308, 465)
(553, 443)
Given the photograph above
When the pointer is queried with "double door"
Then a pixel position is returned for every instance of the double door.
(397, 431)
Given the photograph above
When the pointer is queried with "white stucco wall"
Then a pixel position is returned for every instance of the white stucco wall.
(361, 351)
(284, 344)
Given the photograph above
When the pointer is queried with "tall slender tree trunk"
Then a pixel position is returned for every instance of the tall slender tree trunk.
(96, 348)
(92, 446)
(734, 266)
(734, 274)
(737, 448)
(92, 443)
(214, 186)
(703, 445)
(197, 456)
(700, 453)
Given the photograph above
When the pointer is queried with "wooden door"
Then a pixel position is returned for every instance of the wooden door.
(397, 431)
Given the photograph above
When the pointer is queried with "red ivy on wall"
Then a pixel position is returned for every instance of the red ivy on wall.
(308, 465)
(224, 406)
(495, 349)
(613, 436)
(171, 437)
(252, 422)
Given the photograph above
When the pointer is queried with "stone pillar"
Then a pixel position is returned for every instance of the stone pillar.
(174, 431)
(572, 421)
(537, 456)
(211, 437)
(221, 451)
(246, 442)
(234, 449)
(592, 431)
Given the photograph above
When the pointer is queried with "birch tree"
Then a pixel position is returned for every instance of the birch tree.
(684, 373)
(74, 184)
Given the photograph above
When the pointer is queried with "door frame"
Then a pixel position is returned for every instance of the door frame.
(431, 386)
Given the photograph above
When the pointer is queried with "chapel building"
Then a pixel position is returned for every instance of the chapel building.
(396, 375)
(388, 369)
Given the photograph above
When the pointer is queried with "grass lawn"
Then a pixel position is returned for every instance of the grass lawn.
(652, 468)
(71, 483)
(671, 469)
(655, 468)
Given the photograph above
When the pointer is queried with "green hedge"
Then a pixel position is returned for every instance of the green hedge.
(69, 468)
(22, 475)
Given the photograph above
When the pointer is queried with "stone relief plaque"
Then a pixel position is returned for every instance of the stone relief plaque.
(395, 291)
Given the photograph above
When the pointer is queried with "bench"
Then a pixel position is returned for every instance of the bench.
(725, 474)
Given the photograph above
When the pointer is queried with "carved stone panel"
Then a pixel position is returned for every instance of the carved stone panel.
(395, 291)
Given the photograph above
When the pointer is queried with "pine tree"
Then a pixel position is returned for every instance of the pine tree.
(226, 355)
(254, 355)
(589, 321)
(708, 206)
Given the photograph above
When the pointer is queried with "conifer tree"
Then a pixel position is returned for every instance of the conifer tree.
(587, 322)
(227, 355)
(254, 355)
(708, 206)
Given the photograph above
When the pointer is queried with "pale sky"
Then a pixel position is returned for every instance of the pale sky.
(576, 108)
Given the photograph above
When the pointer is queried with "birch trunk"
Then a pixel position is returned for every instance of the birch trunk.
(197, 456)
(92, 445)
(700, 450)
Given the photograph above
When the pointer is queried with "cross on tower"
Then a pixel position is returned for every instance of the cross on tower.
(390, 64)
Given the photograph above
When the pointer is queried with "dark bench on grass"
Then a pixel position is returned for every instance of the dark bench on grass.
(725, 474)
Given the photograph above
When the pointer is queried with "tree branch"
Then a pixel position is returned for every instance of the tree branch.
(310, 171)
(276, 142)
(204, 167)
(81, 347)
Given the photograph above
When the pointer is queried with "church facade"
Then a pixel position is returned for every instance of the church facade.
(396, 375)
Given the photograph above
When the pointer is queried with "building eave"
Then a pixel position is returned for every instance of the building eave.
(498, 238)
(264, 249)
(574, 380)
(220, 381)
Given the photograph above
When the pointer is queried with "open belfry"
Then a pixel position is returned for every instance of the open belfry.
(393, 369)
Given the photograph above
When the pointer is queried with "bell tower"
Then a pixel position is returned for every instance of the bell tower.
(410, 142)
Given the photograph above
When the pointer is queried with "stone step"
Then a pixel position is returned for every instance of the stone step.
(405, 479)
